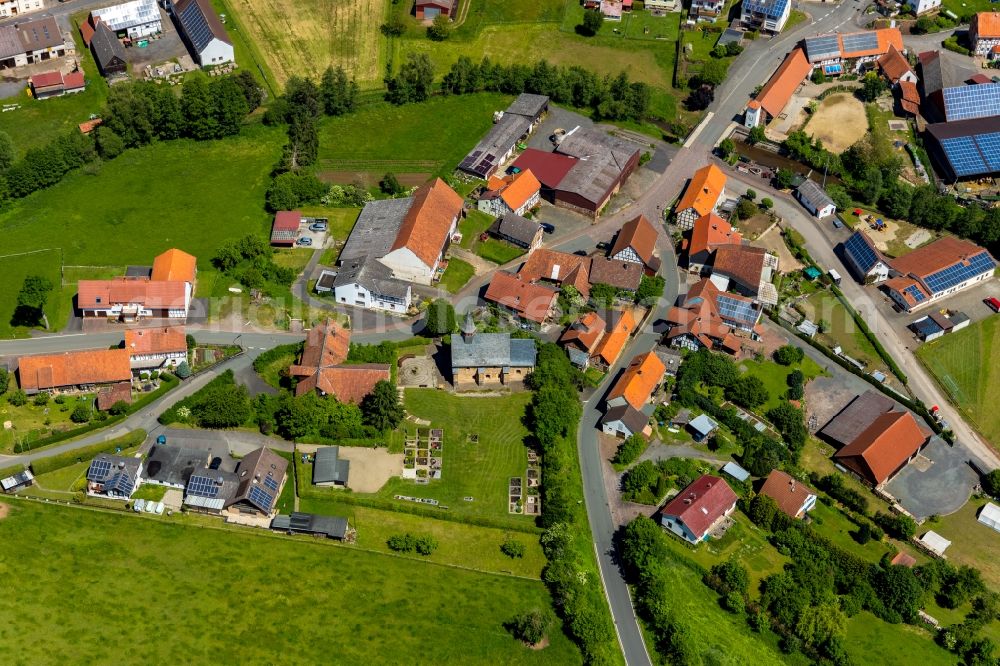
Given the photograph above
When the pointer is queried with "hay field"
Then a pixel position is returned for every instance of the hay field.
(839, 122)
(304, 37)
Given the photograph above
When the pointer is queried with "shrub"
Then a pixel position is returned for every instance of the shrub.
(18, 398)
(81, 413)
(41, 399)
(183, 370)
(425, 545)
(118, 408)
(530, 627)
(896, 525)
(401, 543)
(629, 450)
(991, 483)
(788, 355)
(512, 548)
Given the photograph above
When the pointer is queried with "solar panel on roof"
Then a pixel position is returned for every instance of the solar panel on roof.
(736, 309)
(862, 253)
(260, 497)
(271, 483)
(964, 102)
(960, 272)
(770, 8)
(98, 470)
(821, 48)
(202, 486)
(862, 41)
(964, 156)
(915, 292)
(989, 146)
(196, 26)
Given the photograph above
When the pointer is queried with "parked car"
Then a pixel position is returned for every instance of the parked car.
(317, 226)
(837, 223)
(581, 253)
(305, 240)
(993, 303)
(546, 227)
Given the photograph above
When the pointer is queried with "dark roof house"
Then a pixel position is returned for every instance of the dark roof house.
(332, 527)
(108, 51)
(259, 476)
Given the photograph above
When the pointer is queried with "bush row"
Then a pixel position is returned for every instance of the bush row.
(52, 463)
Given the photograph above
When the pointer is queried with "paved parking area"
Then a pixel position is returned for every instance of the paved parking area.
(557, 118)
(319, 238)
(938, 482)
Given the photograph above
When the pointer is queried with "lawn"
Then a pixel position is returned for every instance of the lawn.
(458, 543)
(775, 377)
(498, 251)
(13, 269)
(265, 595)
(972, 543)
(302, 39)
(457, 274)
(963, 364)
(62, 479)
(481, 13)
(181, 193)
(837, 527)
(822, 306)
(481, 470)
(870, 640)
(380, 138)
(29, 420)
(472, 226)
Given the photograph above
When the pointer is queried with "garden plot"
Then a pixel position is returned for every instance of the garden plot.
(422, 452)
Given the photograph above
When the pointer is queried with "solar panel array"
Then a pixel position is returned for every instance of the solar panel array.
(979, 101)
(736, 309)
(823, 48)
(960, 272)
(860, 41)
(196, 26)
(260, 497)
(914, 291)
(121, 483)
(98, 470)
(973, 154)
(862, 253)
(770, 8)
(202, 486)
(271, 483)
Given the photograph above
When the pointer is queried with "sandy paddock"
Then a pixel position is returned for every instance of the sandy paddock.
(839, 122)
(4, 510)
(370, 468)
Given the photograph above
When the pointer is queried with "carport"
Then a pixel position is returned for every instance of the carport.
(938, 482)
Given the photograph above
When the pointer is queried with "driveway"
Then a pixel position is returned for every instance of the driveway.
(938, 482)
(235, 442)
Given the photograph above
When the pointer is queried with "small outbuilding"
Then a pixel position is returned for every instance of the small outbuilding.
(989, 515)
(702, 427)
(934, 542)
(815, 199)
(285, 228)
(332, 527)
(735, 471)
(329, 469)
(15, 482)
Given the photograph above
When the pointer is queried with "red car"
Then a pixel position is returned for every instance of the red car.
(993, 302)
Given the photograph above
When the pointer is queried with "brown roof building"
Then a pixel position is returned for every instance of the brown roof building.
(261, 475)
(636, 243)
(937, 270)
(529, 301)
(155, 347)
(320, 368)
(710, 318)
(793, 497)
(708, 233)
(620, 274)
(74, 369)
(558, 267)
(583, 334)
(895, 67)
(111, 395)
(699, 508)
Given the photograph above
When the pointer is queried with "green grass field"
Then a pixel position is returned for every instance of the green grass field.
(13, 269)
(252, 594)
(841, 330)
(963, 364)
(481, 470)
(870, 640)
(972, 542)
(498, 251)
(457, 274)
(775, 377)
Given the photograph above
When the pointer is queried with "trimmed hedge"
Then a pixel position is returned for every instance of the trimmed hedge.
(52, 463)
(360, 442)
(886, 357)
(11, 471)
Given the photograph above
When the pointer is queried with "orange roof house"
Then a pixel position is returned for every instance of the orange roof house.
(100, 295)
(636, 242)
(915, 283)
(515, 193)
(527, 300)
(709, 232)
(884, 448)
(887, 38)
(776, 93)
(620, 326)
(70, 369)
(154, 341)
(559, 267)
(984, 31)
(909, 97)
(584, 333)
(320, 369)
(428, 224)
(703, 193)
(174, 265)
(636, 385)
(895, 67)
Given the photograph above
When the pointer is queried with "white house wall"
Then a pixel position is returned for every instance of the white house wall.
(216, 52)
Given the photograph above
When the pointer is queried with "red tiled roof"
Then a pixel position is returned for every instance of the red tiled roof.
(173, 265)
(515, 190)
(887, 38)
(893, 64)
(710, 231)
(108, 396)
(639, 379)
(427, 224)
(986, 25)
(699, 318)
(705, 188)
(346, 383)
(976, 79)
(71, 368)
(287, 220)
(909, 97)
(743, 263)
(531, 301)
(584, 333)
(638, 234)
(779, 88)
(786, 491)
(88, 126)
(883, 447)
(904, 560)
(74, 80)
(935, 256)
(155, 340)
(46, 79)
(101, 294)
(545, 264)
(548, 168)
(326, 344)
(87, 32)
(701, 504)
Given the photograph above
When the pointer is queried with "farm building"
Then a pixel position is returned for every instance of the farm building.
(937, 270)
(875, 440)
(704, 193)
(984, 33)
(33, 41)
(772, 99)
(636, 384)
(329, 469)
(332, 527)
(698, 509)
(490, 359)
(793, 497)
(320, 367)
(74, 370)
(203, 32)
(15, 482)
(865, 259)
(965, 149)
(111, 395)
(531, 303)
(431, 9)
(509, 127)
(624, 421)
(150, 348)
(517, 194)
(558, 268)
(134, 19)
(518, 231)
(625, 276)
(636, 243)
(815, 199)
(766, 15)
(20, 7)
(115, 477)
(56, 84)
(109, 54)
(285, 228)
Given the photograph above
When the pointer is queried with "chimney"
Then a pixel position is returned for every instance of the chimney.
(791, 486)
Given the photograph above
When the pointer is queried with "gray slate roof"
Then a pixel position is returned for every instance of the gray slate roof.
(373, 276)
(487, 350)
(601, 158)
(329, 468)
(528, 105)
(106, 46)
(631, 417)
(815, 195)
(376, 229)
(334, 527)
(174, 465)
(10, 44)
(703, 424)
(855, 418)
(519, 228)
